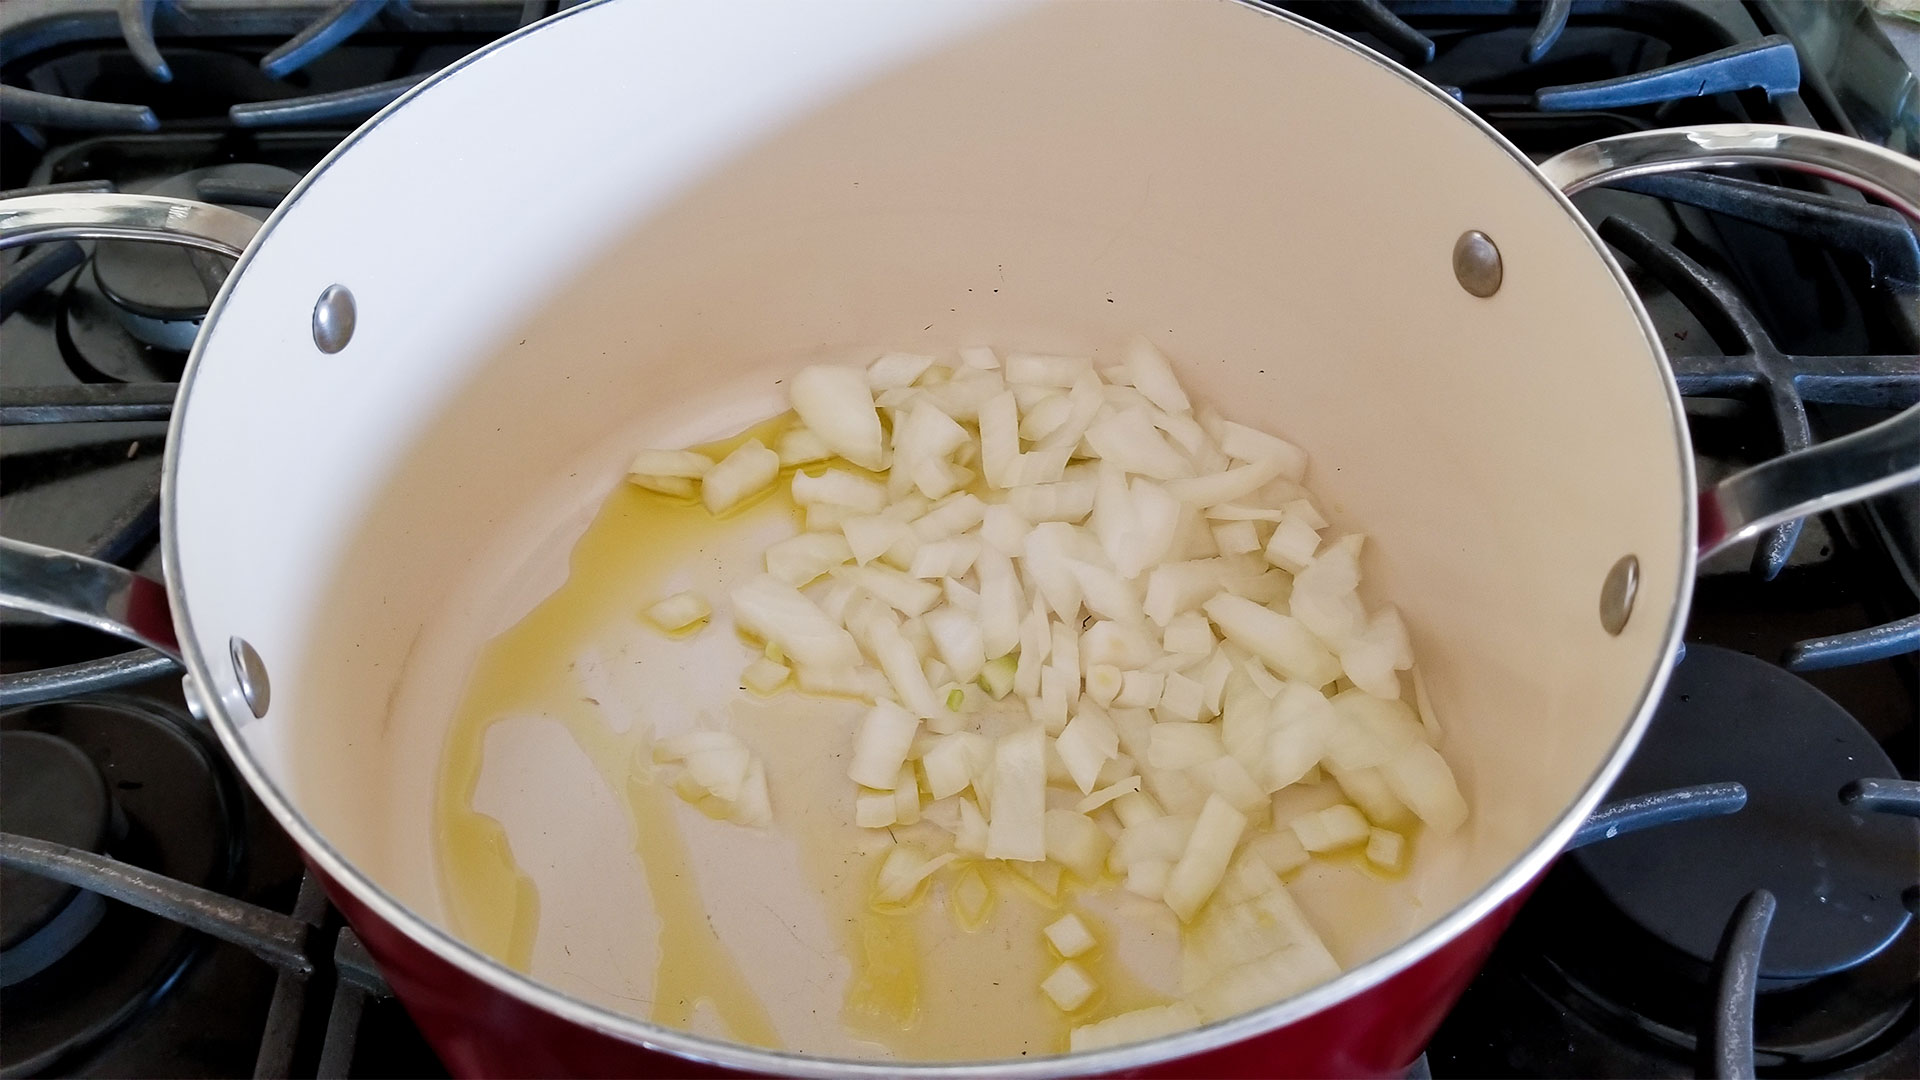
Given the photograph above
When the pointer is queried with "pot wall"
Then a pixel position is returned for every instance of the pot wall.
(872, 175)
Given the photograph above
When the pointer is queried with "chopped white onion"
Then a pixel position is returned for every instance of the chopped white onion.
(836, 404)
(679, 611)
(797, 560)
(1201, 866)
(1016, 824)
(886, 734)
(896, 369)
(1278, 639)
(744, 473)
(1068, 987)
(1335, 827)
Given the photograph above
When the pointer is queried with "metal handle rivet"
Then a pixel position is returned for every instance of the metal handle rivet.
(333, 318)
(191, 691)
(251, 672)
(1476, 263)
(1617, 593)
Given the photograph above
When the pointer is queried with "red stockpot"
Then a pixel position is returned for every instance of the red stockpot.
(478, 305)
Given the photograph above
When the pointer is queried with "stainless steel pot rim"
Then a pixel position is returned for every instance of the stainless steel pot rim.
(224, 704)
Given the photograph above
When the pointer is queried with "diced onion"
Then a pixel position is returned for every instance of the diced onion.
(1068, 987)
(1335, 827)
(836, 404)
(1143, 587)
(679, 611)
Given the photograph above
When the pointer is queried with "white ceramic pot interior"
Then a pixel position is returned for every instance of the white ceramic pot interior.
(535, 301)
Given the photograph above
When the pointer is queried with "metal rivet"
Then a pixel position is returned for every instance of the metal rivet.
(252, 673)
(1476, 263)
(333, 319)
(1617, 592)
(191, 691)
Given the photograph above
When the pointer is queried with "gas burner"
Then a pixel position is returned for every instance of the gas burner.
(49, 789)
(1838, 970)
(161, 293)
(133, 313)
(141, 781)
(1836, 872)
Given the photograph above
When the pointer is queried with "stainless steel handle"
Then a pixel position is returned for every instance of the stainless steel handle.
(36, 219)
(86, 591)
(61, 584)
(1875, 170)
(1859, 466)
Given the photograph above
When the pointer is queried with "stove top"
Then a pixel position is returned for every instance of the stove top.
(1762, 925)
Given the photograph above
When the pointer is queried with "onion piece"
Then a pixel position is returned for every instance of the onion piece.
(1419, 777)
(798, 560)
(1137, 1026)
(1129, 439)
(1204, 863)
(836, 404)
(950, 516)
(1251, 445)
(1385, 848)
(907, 595)
(1037, 370)
(1335, 827)
(1182, 746)
(1236, 537)
(738, 476)
(1424, 703)
(896, 369)
(903, 871)
(1281, 850)
(1150, 374)
(1181, 699)
(880, 749)
(1278, 639)
(901, 664)
(1222, 487)
(957, 638)
(1064, 500)
(1140, 689)
(1068, 987)
(839, 487)
(979, 357)
(679, 611)
(1293, 543)
(1000, 440)
(1075, 842)
(945, 558)
(764, 677)
(873, 809)
(1105, 795)
(1085, 744)
(1069, 936)
(971, 837)
(1188, 632)
(1016, 823)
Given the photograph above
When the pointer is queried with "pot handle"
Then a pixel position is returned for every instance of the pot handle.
(59, 584)
(38, 219)
(87, 591)
(1846, 470)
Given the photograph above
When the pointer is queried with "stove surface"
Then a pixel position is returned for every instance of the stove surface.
(1790, 309)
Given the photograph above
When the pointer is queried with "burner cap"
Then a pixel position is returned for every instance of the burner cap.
(49, 790)
(1836, 871)
(156, 283)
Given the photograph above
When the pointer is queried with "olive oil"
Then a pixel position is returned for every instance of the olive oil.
(918, 985)
(635, 540)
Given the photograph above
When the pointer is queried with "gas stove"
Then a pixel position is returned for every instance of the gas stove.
(1763, 925)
